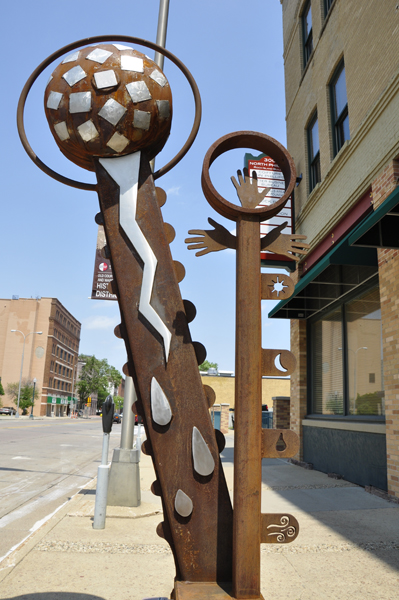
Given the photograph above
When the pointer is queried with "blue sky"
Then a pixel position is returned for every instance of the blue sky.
(47, 230)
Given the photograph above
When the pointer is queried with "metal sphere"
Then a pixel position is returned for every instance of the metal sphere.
(108, 100)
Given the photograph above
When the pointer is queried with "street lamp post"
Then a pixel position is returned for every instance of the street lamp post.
(33, 398)
(22, 362)
(74, 377)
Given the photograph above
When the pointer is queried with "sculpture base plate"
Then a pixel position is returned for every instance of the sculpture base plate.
(187, 590)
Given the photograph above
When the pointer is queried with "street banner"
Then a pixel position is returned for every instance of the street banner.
(102, 271)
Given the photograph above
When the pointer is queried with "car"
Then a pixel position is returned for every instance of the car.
(7, 410)
(117, 418)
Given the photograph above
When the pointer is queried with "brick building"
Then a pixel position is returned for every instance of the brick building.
(50, 357)
(342, 112)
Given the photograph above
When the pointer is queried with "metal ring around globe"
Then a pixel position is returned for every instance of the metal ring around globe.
(258, 141)
(91, 40)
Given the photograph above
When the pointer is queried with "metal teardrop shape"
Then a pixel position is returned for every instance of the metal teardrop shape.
(202, 457)
(183, 504)
(160, 407)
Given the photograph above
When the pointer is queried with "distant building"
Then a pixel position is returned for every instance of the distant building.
(342, 110)
(51, 357)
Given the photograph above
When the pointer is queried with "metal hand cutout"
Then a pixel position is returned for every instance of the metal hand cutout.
(211, 240)
(247, 189)
(281, 243)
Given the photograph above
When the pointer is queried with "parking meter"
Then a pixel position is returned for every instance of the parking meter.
(108, 409)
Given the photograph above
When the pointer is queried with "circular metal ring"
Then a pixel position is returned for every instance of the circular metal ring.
(94, 40)
(258, 141)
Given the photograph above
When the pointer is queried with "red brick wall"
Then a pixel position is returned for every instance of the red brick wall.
(224, 418)
(298, 408)
(281, 412)
(388, 268)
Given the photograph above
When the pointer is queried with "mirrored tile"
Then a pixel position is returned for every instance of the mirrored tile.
(132, 63)
(62, 131)
(99, 55)
(163, 109)
(183, 504)
(54, 99)
(71, 57)
(112, 111)
(122, 47)
(49, 79)
(80, 102)
(202, 457)
(141, 119)
(160, 407)
(105, 79)
(118, 142)
(88, 131)
(138, 91)
(159, 78)
(74, 75)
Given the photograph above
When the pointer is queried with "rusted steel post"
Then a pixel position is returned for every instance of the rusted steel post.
(248, 421)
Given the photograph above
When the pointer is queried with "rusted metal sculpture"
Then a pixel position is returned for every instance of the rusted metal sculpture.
(109, 108)
(250, 527)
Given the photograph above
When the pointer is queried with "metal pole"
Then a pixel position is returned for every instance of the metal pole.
(20, 375)
(161, 41)
(33, 399)
(248, 414)
(127, 433)
(161, 31)
(104, 457)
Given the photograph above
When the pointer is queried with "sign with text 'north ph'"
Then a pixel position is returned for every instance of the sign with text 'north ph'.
(270, 176)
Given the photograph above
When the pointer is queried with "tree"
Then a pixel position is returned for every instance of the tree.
(1, 393)
(95, 377)
(118, 401)
(206, 365)
(26, 396)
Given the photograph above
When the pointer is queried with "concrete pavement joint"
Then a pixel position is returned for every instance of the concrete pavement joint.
(284, 488)
(344, 547)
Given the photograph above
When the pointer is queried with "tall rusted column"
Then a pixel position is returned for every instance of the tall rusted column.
(248, 421)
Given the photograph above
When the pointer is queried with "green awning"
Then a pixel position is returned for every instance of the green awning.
(381, 228)
(340, 271)
(349, 264)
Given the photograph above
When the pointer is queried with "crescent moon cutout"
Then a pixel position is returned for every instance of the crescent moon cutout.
(278, 365)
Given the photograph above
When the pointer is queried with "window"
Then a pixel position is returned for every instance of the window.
(339, 105)
(307, 33)
(327, 380)
(327, 6)
(346, 344)
(314, 153)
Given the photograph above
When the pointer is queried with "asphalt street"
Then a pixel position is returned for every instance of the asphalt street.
(43, 464)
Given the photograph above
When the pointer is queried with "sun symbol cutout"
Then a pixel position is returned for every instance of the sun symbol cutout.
(278, 286)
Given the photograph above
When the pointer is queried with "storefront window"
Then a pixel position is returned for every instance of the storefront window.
(327, 364)
(346, 359)
(365, 374)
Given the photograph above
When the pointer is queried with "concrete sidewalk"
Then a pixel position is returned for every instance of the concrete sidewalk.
(347, 548)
